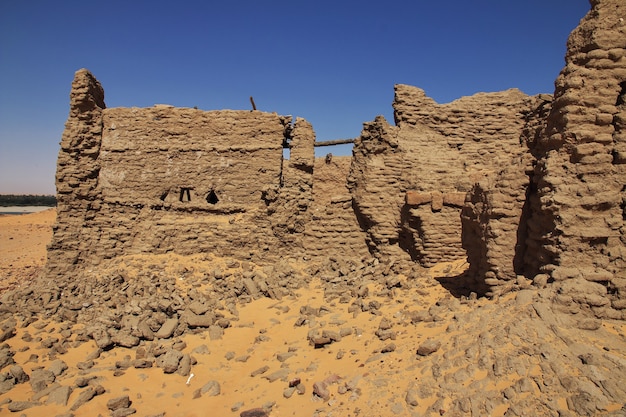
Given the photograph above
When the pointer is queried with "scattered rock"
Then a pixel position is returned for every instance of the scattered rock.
(6, 383)
(388, 348)
(280, 374)
(57, 367)
(141, 363)
(282, 357)
(589, 324)
(125, 339)
(320, 389)
(7, 334)
(184, 366)
(210, 389)
(216, 332)
(144, 329)
(195, 320)
(15, 406)
(411, 397)
(170, 361)
(85, 365)
(288, 392)
(6, 356)
(118, 402)
(45, 392)
(260, 371)
(85, 396)
(60, 395)
(428, 347)
(102, 338)
(254, 412)
(332, 335)
(167, 329)
(83, 381)
(18, 373)
(40, 378)
(123, 412)
(320, 341)
(198, 308)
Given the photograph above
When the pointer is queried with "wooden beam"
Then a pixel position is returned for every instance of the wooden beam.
(334, 142)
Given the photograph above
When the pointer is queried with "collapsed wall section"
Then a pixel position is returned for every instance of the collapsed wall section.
(579, 210)
(409, 181)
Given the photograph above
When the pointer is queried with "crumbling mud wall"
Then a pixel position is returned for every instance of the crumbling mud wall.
(494, 216)
(333, 223)
(375, 183)
(77, 174)
(294, 195)
(165, 179)
(409, 181)
(493, 230)
(570, 226)
(578, 211)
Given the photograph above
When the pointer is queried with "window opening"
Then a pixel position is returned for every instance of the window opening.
(212, 198)
(185, 194)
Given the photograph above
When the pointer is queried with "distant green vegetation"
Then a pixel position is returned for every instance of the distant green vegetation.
(7, 200)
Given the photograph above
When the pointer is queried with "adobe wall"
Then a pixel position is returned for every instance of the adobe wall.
(494, 216)
(579, 212)
(333, 229)
(409, 181)
(165, 179)
(77, 176)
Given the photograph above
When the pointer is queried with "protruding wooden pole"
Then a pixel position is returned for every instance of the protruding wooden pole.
(334, 142)
(252, 102)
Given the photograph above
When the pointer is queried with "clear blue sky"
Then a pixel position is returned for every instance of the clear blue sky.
(331, 62)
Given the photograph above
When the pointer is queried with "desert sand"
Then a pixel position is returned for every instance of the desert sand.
(415, 350)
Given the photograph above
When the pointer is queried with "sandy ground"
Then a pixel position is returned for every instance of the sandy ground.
(22, 209)
(264, 352)
(23, 241)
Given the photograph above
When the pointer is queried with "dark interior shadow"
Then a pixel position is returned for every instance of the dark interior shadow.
(459, 286)
(406, 240)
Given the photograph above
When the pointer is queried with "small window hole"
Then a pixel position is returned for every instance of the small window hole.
(212, 198)
(185, 194)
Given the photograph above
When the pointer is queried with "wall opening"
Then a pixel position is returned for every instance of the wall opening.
(621, 97)
(185, 194)
(212, 198)
(336, 150)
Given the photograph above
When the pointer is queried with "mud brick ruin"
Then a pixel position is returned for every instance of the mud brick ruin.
(527, 188)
